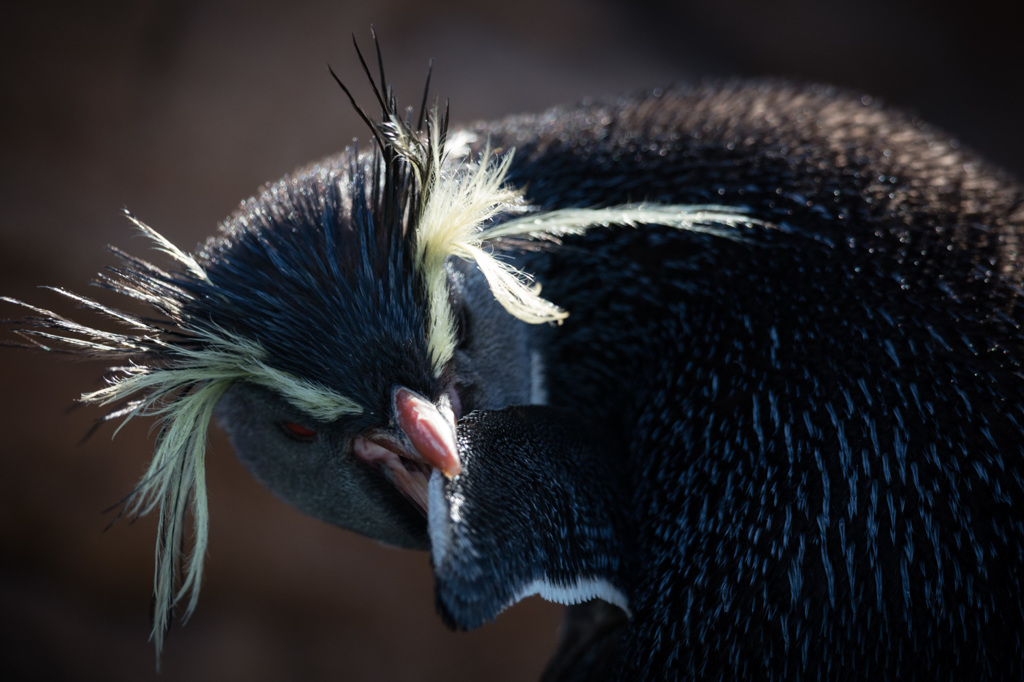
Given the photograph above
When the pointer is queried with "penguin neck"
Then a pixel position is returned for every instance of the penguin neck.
(537, 510)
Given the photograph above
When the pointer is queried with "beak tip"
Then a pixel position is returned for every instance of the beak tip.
(430, 432)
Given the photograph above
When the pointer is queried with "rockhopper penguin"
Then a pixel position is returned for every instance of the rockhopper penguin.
(766, 405)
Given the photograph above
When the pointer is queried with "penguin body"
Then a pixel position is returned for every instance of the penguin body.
(820, 412)
(781, 422)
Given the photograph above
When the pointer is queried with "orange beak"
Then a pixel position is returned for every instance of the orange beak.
(421, 439)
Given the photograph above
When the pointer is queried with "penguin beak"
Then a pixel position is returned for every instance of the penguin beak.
(419, 439)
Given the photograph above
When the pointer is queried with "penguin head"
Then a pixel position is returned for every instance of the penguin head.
(338, 324)
(366, 390)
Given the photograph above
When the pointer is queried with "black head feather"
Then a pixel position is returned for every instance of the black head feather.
(314, 272)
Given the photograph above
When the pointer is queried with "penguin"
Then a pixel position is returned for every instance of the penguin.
(733, 370)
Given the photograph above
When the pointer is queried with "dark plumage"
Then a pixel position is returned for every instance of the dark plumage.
(823, 417)
(783, 433)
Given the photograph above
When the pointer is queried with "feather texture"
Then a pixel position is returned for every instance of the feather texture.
(176, 371)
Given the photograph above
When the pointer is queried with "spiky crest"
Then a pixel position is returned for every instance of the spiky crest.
(450, 204)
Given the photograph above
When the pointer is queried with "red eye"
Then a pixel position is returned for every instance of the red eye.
(298, 431)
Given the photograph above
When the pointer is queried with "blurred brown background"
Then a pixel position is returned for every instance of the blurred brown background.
(178, 110)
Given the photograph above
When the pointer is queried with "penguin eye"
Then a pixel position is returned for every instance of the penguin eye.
(298, 432)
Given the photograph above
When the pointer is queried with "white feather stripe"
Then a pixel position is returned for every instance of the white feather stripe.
(457, 202)
(717, 220)
(441, 323)
(225, 357)
(460, 201)
(458, 205)
(177, 480)
(511, 288)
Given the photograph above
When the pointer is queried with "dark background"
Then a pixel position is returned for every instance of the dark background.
(179, 110)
